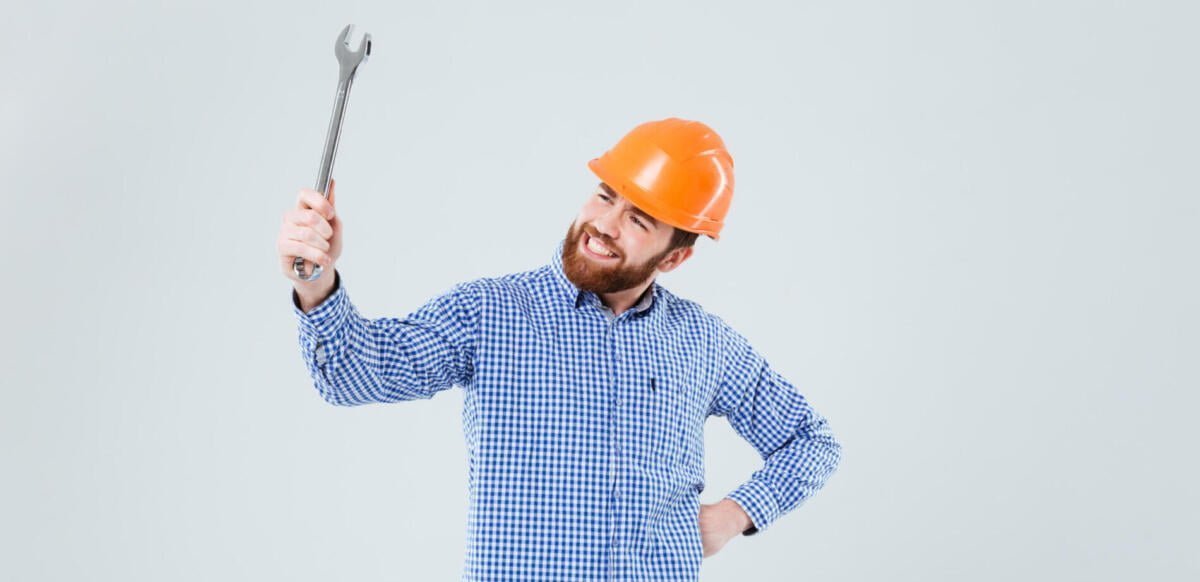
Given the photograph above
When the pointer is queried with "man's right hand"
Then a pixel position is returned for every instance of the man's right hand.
(311, 230)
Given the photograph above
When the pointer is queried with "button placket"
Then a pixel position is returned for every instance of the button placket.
(614, 376)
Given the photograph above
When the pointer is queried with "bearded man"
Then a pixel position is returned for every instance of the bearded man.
(586, 383)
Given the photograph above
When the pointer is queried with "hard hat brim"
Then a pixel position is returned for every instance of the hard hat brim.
(640, 198)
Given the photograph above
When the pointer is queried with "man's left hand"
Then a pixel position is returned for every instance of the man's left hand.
(721, 522)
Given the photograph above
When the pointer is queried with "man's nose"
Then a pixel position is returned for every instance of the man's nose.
(608, 222)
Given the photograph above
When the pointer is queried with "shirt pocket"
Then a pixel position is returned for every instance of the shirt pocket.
(666, 416)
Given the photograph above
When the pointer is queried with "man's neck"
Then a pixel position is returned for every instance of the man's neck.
(620, 301)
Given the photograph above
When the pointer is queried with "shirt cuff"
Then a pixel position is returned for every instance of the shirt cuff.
(323, 321)
(757, 500)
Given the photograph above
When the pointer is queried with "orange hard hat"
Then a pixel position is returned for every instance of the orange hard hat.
(676, 170)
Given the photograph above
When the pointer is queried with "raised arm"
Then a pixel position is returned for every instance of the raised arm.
(355, 360)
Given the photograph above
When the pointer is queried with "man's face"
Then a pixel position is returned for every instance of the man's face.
(637, 240)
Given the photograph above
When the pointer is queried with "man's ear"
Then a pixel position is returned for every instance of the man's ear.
(675, 258)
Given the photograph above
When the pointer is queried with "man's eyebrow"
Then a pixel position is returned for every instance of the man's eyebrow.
(636, 210)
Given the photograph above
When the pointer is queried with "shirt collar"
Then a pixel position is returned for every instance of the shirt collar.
(575, 297)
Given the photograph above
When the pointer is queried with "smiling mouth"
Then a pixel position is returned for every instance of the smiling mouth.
(593, 248)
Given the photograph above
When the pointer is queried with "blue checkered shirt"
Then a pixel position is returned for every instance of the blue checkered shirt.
(584, 430)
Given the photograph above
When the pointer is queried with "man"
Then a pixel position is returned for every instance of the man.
(586, 383)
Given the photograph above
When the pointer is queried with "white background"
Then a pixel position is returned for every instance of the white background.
(967, 231)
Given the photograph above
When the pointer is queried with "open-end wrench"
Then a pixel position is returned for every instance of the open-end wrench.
(348, 63)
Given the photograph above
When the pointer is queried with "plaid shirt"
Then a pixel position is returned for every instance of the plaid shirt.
(584, 430)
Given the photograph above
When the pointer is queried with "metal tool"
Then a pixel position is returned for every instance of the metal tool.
(348, 63)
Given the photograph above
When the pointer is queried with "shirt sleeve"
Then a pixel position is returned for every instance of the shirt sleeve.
(354, 360)
(796, 443)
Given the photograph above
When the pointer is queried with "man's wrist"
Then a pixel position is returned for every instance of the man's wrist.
(309, 297)
(745, 524)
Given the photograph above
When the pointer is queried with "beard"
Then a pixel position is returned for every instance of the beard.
(598, 276)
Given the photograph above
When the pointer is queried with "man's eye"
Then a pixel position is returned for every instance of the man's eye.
(638, 222)
(603, 197)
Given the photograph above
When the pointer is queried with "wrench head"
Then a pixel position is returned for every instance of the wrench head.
(351, 58)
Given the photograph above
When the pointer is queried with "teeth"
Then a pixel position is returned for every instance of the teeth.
(599, 248)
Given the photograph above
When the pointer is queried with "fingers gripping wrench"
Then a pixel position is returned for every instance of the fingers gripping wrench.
(348, 63)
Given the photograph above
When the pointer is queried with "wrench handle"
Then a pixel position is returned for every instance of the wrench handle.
(332, 137)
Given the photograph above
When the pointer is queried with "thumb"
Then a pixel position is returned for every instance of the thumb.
(331, 183)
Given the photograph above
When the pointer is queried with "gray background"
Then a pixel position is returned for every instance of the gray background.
(965, 230)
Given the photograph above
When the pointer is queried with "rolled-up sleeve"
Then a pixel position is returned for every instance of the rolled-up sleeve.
(355, 360)
(796, 443)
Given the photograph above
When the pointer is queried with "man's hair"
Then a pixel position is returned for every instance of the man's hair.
(682, 238)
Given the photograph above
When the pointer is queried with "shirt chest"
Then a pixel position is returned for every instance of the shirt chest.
(583, 380)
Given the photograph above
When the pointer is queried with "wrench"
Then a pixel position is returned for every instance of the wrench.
(348, 63)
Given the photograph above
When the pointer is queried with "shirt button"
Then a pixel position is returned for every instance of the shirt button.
(618, 402)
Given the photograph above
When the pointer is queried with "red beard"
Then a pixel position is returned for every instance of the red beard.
(599, 276)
